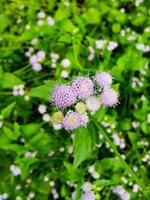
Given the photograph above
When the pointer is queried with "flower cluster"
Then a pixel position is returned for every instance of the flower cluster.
(83, 94)
(88, 193)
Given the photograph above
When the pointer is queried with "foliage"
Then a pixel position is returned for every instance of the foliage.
(55, 159)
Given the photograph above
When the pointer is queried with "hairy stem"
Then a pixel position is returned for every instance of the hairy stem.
(126, 166)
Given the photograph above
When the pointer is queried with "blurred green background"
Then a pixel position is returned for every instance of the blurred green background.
(111, 35)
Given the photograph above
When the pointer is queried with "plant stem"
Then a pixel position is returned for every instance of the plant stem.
(75, 55)
(126, 166)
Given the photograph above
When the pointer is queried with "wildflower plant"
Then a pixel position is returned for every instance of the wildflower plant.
(88, 139)
(81, 96)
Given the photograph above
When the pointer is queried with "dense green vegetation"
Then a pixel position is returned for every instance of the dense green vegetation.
(47, 42)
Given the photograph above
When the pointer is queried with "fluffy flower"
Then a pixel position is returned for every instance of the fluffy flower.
(16, 171)
(80, 107)
(37, 67)
(57, 117)
(109, 97)
(100, 44)
(40, 55)
(84, 120)
(88, 196)
(93, 103)
(103, 79)
(87, 187)
(63, 96)
(74, 120)
(65, 63)
(83, 87)
(42, 108)
(112, 45)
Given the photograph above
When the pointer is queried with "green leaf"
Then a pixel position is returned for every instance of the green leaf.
(62, 13)
(103, 183)
(9, 80)
(73, 174)
(9, 133)
(92, 16)
(42, 91)
(82, 146)
(4, 22)
(125, 124)
(7, 111)
(30, 129)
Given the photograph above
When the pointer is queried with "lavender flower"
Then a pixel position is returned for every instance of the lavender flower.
(63, 96)
(83, 87)
(87, 187)
(71, 121)
(74, 120)
(84, 120)
(88, 196)
(103, 79)
(109, 97)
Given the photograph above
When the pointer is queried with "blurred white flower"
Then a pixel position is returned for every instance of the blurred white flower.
(112, 45)
(64, 74)
(40, 55)
(16, 171)
(92, 103)
(46, 117)
(54, 56)
(37, 67)
(41, 15)
(18, 90)
(31, 195)
(52, 183)
(65, 63)
(50, 21)
(33, 59)
(34, 41)
(42, 108)
(57, 126)
(87, 187)
(40, 22)
(53, 65)
(100, 44)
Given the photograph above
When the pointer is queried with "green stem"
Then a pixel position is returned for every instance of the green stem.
(126, 166)
(75, 55)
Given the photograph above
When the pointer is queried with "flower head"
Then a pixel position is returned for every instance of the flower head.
(71, 121)
(87, 187)
(103, 79)
(80, 107)
(57, 117)
(83, 87)
(84, 120)
(109, 97)
(74, 120)
(88, 196)
(93, 103)
(63, 96)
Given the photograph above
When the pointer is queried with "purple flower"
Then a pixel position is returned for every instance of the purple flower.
(103, 79)
(109, 97)
(88, 196)
(63, 96)
(83, 87)
(74, 120)
(87, 187)
(71, 121)
(84, 120)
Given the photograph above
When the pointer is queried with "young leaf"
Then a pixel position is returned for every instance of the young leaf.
(7, 111)
(42, 91)
(82, 145)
